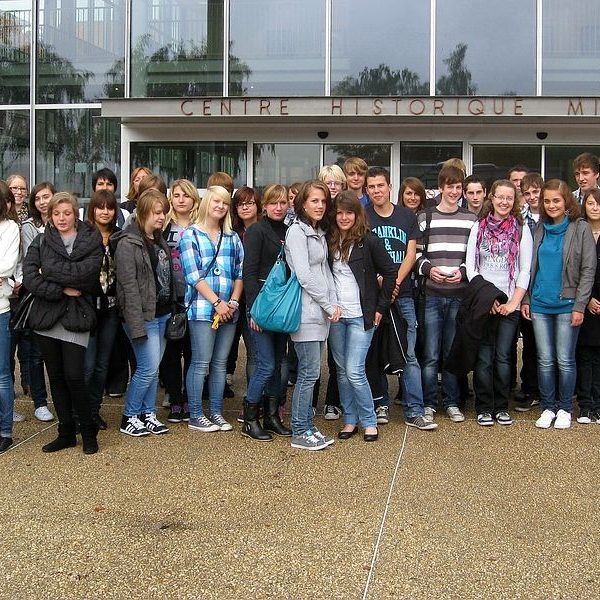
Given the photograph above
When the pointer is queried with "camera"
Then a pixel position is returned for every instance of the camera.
(323, 134)
(541, 135)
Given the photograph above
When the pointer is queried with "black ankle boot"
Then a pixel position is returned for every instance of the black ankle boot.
(89, 440)
(251, 427)
(271, 420)
(60, 443)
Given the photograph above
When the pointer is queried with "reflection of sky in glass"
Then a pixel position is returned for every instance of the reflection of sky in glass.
(366, 34)
(501, 42)
(283, 43)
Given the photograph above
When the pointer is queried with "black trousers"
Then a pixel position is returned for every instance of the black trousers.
(588, 378)
(65, 363)
(529, 382)
(171, 372)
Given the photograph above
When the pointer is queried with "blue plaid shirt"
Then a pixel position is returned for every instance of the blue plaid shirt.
(197, 251)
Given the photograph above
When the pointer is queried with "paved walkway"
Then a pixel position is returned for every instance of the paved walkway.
(463, 512)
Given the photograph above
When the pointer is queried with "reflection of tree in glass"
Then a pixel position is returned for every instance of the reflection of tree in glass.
(374, 155)
(458, 81)
(381, 81)
(14, 57)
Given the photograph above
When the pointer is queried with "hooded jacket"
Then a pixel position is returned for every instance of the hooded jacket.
(48, 269)
(136, 286)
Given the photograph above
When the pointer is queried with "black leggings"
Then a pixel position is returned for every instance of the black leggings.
(65, 366)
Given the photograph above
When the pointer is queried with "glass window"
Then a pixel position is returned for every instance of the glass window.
(177, 48)
(571, 48)
(485, 48)
(559, 162)
(14, 143)
(73, 143)
(375, 155)
(15, 48)
(397, 65)
(285, 163)
(493, 162)
(81, 50)
(191, 160)
(424, 160)
(277, 48)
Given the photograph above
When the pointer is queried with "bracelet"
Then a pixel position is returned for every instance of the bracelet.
(217, 302)
(234, 302)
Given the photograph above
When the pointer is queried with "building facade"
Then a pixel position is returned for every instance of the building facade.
(270, 90)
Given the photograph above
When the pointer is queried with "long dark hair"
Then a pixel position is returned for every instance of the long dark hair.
(347, 200)
(301, 198)
(102, 199)
(7, 196)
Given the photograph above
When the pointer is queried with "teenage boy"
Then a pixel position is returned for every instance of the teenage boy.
(475, 192)
(355, 170)
(397, 227)
(586, 169)
(105, 179)
(527, 397)
(445, 231)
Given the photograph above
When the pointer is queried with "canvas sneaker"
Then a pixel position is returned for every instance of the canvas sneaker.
(331, 412)
(485, 419)
(383, 415)
(325, 438)
(202, 424)
(429, 414)
(186, 412)
(503, 418)
(454, 414)
(152, 424)
(133, 426)
(43, 414)
(563, 420)
(308, 441)
(527, 403)
(585, 417)
(220, 422)
(420, 423)
(175, 414)
(545, 420)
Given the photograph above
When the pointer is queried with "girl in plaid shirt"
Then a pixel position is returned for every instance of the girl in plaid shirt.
(211, 259)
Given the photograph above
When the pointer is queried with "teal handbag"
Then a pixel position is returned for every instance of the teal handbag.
(278, 306)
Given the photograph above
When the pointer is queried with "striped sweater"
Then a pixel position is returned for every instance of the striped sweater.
(446, 247)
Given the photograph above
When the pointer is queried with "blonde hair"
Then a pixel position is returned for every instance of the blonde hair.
(189, 189)
(222, 194)
(63, 198)
(332, 171)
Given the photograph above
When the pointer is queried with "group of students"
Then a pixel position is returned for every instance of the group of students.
(424, 286)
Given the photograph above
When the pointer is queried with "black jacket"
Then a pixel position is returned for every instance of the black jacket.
(262, 243)
(368, 259)
(589, 333)
(471, 319)
(48, 269)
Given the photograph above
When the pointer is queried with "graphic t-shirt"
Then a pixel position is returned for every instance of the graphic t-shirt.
(395, 231)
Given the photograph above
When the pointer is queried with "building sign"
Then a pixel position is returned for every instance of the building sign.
(365, 108)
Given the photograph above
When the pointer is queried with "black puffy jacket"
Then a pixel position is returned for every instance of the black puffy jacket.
(48, 269)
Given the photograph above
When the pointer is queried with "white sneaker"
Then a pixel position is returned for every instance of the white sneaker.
(429, 414)
(455, 414)
(18, 417)
(43, 414)
(563, 420)
(545, 420)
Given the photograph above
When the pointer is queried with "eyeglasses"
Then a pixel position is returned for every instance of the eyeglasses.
(246, 204)
(336, 184)
(504, 198)
(14, 189)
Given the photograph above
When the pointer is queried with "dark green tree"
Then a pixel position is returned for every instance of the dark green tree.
(458, 81)
(382, 81)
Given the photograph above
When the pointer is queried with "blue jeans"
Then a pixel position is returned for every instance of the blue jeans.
(268, 349)
(7, 394)
(31, 362)
(412, 398)
(309, 369)
(349, 343)
(141, 393)
(556, 342)
(210, 348)
(492, 374)
(439, 329)
(97, 356)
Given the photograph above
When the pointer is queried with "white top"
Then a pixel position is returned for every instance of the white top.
(10, 249)
(346, 289)
(495, 268)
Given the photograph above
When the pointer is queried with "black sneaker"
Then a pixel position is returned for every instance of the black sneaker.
(175, 414)
(152, 424)
(186, 412)
(586, 417)
(420, 423)
(133, 426)
(529, 401)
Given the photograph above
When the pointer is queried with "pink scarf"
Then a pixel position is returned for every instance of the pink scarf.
(503, 237)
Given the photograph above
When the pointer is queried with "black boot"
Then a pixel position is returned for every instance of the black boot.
(271, 420)
(89, 435)
(66, 438)
(251, 427)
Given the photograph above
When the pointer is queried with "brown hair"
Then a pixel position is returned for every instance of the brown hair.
(152, 182)
(572, 209)
(347, 200)
(33, 210)
(449, 175)
(301, 198)
(488, 207)
(132, 194)
(102, 199)
(145, 206)
(355, 163)
(587, 160)
(532, 180)
(221, 178)
(243, 194)
(6, 196)
(416, 186)
(595, 194)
